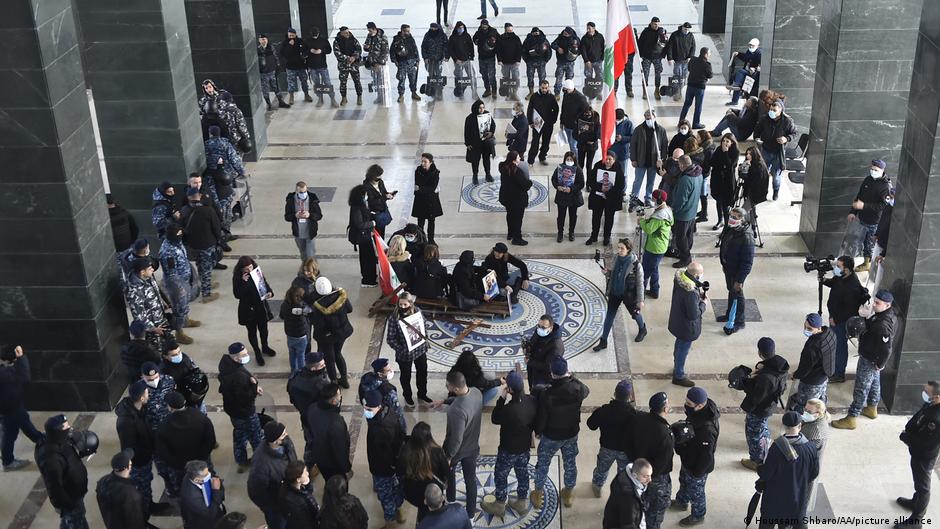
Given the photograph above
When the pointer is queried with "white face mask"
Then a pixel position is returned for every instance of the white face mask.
(244, 359)
(751, 48)
(543, 332)
(409, 238)
(875, 173)
(889, 201)
(807, 333)
(650, 123)
(808, 417)
(569, 163)
(734, 223)
(302, 196)
(684, 130)
(924, 395)
(772, 114)
(154, 383)
(368, 414)
(389, 376)
(176, 359)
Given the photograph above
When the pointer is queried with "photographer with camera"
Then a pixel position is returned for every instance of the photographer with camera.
(874, 349)
(689, 300)
(63, 472)
(624, 285)
(763, 388)
(846, 295)
(737, 258)
(658, 229)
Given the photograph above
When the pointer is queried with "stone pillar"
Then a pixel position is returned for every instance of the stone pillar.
(224, 48)
(317, 13)
(712, 15)
(912, 265)
(789, 61)
(745, 22)
(57, 275)
(863, 77)
(273, 18)
(138, 66)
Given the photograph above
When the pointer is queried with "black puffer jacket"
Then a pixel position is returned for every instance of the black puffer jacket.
(817, 360)
(294, 56)
(542, 350)
(238, 388)
(845, 297)
(303, 388)
(567, 47)
(430, 279)
(535, 47)
(652, 43)
(134, 432)
(680, 47)
(700, 71)
(120, 503)
(434, 46)
(876, 342)
(328, 442)
(267, 472)
(572, 106)
(298, 507)
(330, 317)
(63, 472)
(460, 45)
(183, 436)
(763, 390)
(403, 48)
(123, 228)
(615, 419)
(651, 438)
(508, 48)
(624, 508)
(698, 454)
(872, 192)
(592, 47)
(559, 414)
(485, 40)
(384, 440)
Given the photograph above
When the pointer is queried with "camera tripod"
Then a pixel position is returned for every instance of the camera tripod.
(741, 201)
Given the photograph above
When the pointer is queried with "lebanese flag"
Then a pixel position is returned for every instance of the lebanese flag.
(621, 42)
(388, 280)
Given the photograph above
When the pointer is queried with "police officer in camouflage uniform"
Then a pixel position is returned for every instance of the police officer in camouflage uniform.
(147, 304)
(922, 437)
(384, 441)
(651, 439)
(515, 413)
(235, 122)
(536, 52)
(348, 53)
(163, 209)
(203, 231)
(376, 45)
(293, 51)
(156, 410)
(224, 162)
(697, 455)
(267, 68)
(177, 280)
(379, 379)
(404, 54)
(435, 52)
(239, 390)
(567, 48)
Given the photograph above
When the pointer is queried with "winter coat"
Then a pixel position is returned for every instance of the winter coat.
(686, 309)
(572, 177)
(514, 185)
(763, 390)
(615, 420)
(631, 277)
(413, 488)
(156, 409)
(344, 48)
(133, 355)
(546, 105)
(312, 222)
(756, 181)
(592, 47)
(185, 435)
(466, 278)
(922, 432)
(120, 503)
(13, 380)
(294, 56)
(678, 141)
(202, 228)
(680, 46)
(376, 195)
(317, 61)
(700, 71)
(295, 325)
(124, 228)
(542, 350)
(180, 372)
(193, 509)
(267, 472)
(884, 229)
(175, 260)
(298, 507)
(371, 381)
(736, 253)
(377, 47)
(786, 481)
(396, 340)
(610, 200)
(698, 454)
(846, 295)
(449, 516)
(876, 342)
(328, 445)
(162, 210)
(567, 48)
(559, 415)
(647, 145)
(472, 137)
(572, 106)
(403, 49)
(384, 440)
(658, 229)
(460, 46)
(225, 149)
(304, 387)
(624, 508)
(62, 471)
(508, 48)
(768, 130)
(134, 432)
(724, 169)
(621, 148)
(252, 310)
(145, 301)
(485, 41)
(361, 222)
(501, 267)
(346, 513)
(873, 193)
(651, 438)
(652, 43)
(430, 279)
(434, 46)
(516, 421)
(267, 59)
(536, 49)
(518, 141)
(427, 202)
(817, 359)
(329, 317)
(588, 132)
(238, 388)
(686, 195)
(751, 59)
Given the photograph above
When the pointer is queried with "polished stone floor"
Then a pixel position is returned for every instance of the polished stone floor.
(863, 472)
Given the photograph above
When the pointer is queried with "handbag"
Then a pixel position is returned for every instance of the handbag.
(383, 218)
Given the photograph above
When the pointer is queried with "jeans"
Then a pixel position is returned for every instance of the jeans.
(605, 458)
(569, 455)
(530, 70)
(757, 435)
(739, 77)
(613, 304)
(729, 122)
(680, 352)
(488, 73)
(469, 467)
(13, 422)
(511, 71)
(680, 69)
(504, 463)
(842, 349)
(650, 174)
(274, 519)
(74, 518)
(651, 270)
(245, 430)
(570, 138)
(421, 367)
(774, 164)
(734, 295)
(563, 71)
(483, 7)
(490, 394)
(307, 247)
(296, 347)
(541, 141)
(698, 96)
(657, 67)
(321, 76)
(867, 389)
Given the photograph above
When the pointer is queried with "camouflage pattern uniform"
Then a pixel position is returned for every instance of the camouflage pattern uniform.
(504, 463)
(757, 433)
(569, 455)
(177, 279)
(346, 48)
(404, 53)
(162, 210)
(220, 148)
(155, 412)
(656, 498)
(145, 301)
(435, 52)
(371, 381)
(377, 46)
(390, 494)
(692, 490)
(246, 430)
(606, 458)
(867, 390)
(234, 119)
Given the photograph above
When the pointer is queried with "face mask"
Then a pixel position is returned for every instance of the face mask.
(389, 376)
(684, 130)
(569, 163)
(837, 270)
(890, 202)
(689, 410)
(460, 31)
(302, 196)
(807, 333)
(734, 223)
(925, 396)
(875, 174)
(650, 123)
(154, 383)
(244, 360)
(543, 332)
(808, 417)
(176, 359)
(772, 114)
(409, 238)
(369, 414)
(280, 450)
(751, 48)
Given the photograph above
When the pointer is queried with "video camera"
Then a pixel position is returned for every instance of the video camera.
(818, 264)
(639, 206)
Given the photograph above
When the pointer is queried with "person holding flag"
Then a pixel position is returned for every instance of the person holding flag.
(619, 47)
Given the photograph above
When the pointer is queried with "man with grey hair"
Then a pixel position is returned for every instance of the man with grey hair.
(201, 497)
(737, 258)
(648, 150)
(685, 317)
(685, 198)
(442, 515)
(625, 505)
(462, 440)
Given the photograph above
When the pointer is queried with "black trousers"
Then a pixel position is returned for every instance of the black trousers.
(572, 213)
(469, 467)
(430, 230)
(544, 138)
(920, 469)
(586, 155)
(333, 356)
(255, 329)
(596, 215)
(683, 232)
(514, 217)
(723, 211)
(367, 263)
(732, 296)
(475, 164)
(421, 366)
(439, 2)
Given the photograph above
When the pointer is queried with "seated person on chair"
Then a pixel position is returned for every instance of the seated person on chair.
(499, 260)
(751, 60)
(741, 122)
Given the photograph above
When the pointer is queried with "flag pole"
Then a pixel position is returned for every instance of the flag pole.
(649, 95)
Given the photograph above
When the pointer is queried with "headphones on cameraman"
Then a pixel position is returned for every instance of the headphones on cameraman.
(701, 284)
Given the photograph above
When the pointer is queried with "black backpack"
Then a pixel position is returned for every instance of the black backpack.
(737, 376)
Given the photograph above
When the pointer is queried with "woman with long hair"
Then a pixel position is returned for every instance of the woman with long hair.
(361, 223)
(469, 366)
(427, 202)
(514, 194)
(295, 499)
(377, 197)
(421, 462)
(341, 510)
(479, 138)
(724, 167)
(296, 326)
(756, 180)
(254, 313)
(430, 278)
(568, 181)
(400, 260)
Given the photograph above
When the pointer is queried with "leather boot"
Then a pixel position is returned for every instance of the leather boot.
(281, 103)
(845, 423)
(191, 323)
(520, 505)
(415, 96)
(307, 97)
(182, 338)
(629, 92)
(343, 101)
(530, 94)
(494, 508)
(538, 498)
(359, 100)
(870, 411)
(567, 497)
(290, 98)
(657, 95)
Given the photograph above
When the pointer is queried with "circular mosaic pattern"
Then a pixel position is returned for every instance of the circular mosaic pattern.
(486, 195)
(574, 303)
(534, 519)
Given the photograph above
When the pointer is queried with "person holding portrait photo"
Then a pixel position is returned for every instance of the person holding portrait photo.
(253, 291)
(605, 186)
(479, 137)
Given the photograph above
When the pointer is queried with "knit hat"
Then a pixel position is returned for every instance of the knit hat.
(697, 395)
(313, 357)
(879, 163)
(273, 430)
(142, 263)
(500, 247)
(660, 195)
(140, 244)
(559, 367)
(814, 320)
(323, 286)
(175, 400)
(623, 390)
(568, 84)
(379, 364)
(122, 459)
(214, 131)
(885, 296)
(514, 381)
(766, 345)
(135, 390)
(686, 25)
(55, 422)
(371, 25)
(137, 328)
(236, 348)
(791, 419)
(506, 25)
(149, 369)
(372, 399)
(658, 401)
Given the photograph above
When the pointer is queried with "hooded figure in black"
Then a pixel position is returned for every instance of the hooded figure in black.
(435, 51)
(63, 472)
(468, 288)
(461, 50)
(485, 40)
(479, 138)
(536, 52)
(544, 345)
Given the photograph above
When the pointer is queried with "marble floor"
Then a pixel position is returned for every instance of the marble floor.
(863, 472)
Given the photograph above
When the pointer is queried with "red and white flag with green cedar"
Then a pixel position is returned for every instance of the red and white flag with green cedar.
(621, 42)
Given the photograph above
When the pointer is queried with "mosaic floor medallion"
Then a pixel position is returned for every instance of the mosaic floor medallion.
(545, 518)
(485, 196)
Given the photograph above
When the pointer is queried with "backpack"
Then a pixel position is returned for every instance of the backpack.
(737, 376)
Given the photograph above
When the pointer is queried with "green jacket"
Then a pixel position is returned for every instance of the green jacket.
(658, 227)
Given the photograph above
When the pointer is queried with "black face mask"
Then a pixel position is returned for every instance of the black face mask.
(689, 410)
